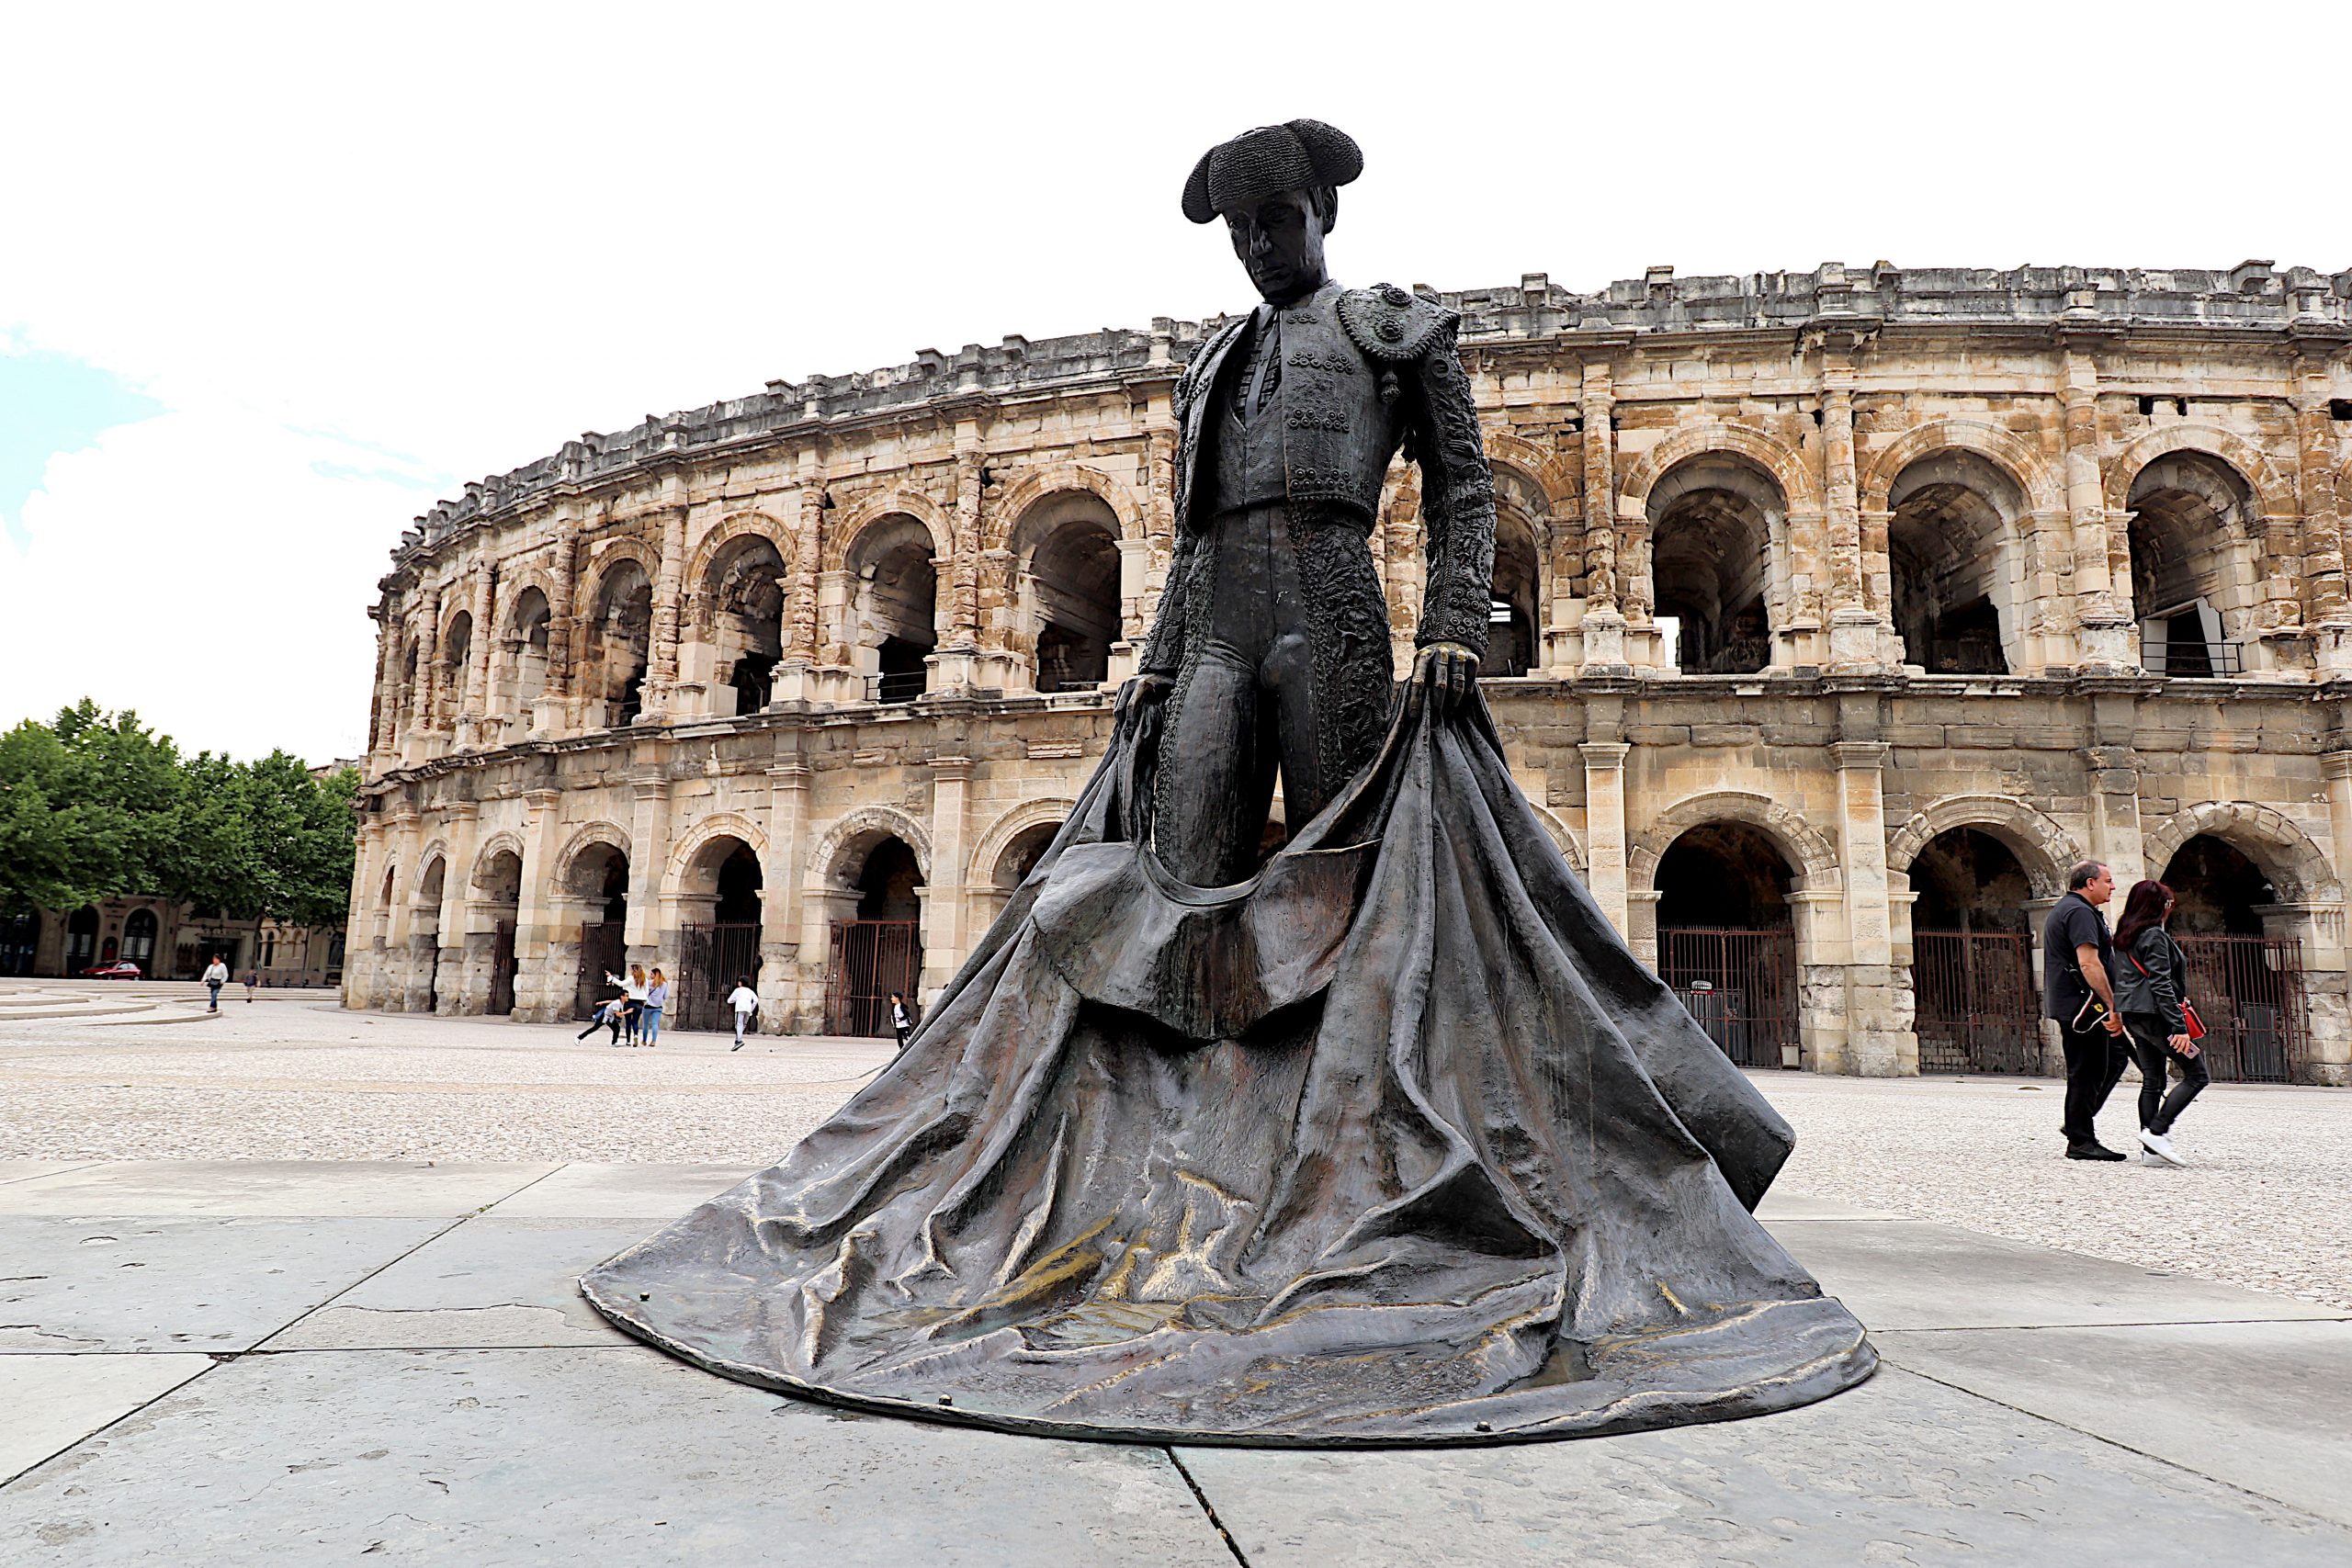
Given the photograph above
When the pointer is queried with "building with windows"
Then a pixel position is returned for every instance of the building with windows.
(168, 942)
(1835, 613)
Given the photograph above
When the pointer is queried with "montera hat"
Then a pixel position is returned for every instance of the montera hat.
(1258, 163)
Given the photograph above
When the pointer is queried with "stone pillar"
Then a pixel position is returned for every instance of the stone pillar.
(476, 704)
(543, 986)
(384, 722)
(1604, 827)
(1603, 624)
(563, 628)
(428, 659)
(794, 672)
(942, 928)
(1855, 640)
(457, 988)
(781, 871)
(2325, 611)
(648, 859)
(1878, 1038)
(2103, 617)
(661, 661)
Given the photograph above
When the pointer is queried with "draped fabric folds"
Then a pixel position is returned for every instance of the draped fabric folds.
(1396, 1142)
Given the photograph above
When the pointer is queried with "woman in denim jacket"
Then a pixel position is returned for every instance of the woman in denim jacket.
(2151, 981)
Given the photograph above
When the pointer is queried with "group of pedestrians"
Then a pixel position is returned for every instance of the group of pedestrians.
(2111, 1012)
(636, 1008)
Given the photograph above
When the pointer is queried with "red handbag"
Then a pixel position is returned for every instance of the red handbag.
(2192, 1025)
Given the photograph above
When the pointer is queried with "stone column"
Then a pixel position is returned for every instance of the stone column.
(2115, 815)
(462, 984)
(942, 928)
(428, 659)
(661, 663)
(543, 986)
(2103, 616)
(648, 859)
(1879, 1039)
(1603, 624)
(793, 680)
(1854, 627)
(384, 722)
(475, 705)
(2325, 611)
(1604, 827)
(781, 871)
(563, 628)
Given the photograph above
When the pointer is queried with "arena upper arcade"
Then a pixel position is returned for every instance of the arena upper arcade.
(1835, 614)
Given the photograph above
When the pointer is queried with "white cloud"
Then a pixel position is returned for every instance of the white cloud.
(461, 234)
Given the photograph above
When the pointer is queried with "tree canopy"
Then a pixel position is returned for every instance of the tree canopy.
(95, 805)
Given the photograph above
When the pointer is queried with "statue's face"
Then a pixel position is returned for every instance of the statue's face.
(1281, 241)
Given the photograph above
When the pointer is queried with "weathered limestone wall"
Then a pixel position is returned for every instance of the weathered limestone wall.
(1724, 503)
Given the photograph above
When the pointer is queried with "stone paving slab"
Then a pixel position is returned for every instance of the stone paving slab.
(262, 1188)
(1900, 1274)
(1782, 1205)
(180, 1284)
(655, 1193)
(2261, 1405)
(26, 1170)
(54, 1402)
(492, 1281)
(481, 1458)
(1900, 1471)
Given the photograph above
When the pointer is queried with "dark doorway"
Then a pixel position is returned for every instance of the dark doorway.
(501, 969)
(20, 941)
(1972, 969)
(601, 878)
(138, 940)
(712, 958)
(2247, 985)
(81, 940)
(881, 951)
(1725, 943)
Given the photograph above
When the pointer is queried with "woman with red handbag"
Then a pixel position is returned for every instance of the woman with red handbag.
(2152, 992)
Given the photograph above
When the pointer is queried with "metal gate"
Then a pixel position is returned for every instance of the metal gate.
(2249, 989)
(710, 959)
(1741, 987)
(501, 969)
(870, 960)
(1976, 1007)
(603, 950)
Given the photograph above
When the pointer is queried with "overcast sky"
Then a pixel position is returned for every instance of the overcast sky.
(272, 282)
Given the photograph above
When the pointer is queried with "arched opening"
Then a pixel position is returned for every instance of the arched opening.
(620, 634)
(498, 884)
(599, 882)
(138, 940)
(1727, 940)
(81, 940)
(2189, 511)
(743, 599)
(1975, 1010)
(2247, 984)
(1712, 518)
(1512, 641)
(457, 649)
(527, 653)
(1953, 513)
(880, 951)
(408, 709)
(718, 945)
(1020, 856)
(1070, 590)
(893, 615)
(20, 941)
(425, 933)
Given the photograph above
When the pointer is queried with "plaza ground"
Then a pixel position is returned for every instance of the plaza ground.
(294, 1285)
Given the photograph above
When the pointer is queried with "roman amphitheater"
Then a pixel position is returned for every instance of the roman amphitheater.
(1835, 614)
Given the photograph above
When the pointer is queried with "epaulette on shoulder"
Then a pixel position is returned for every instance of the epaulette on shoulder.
(1392, 324)
(1188, 380)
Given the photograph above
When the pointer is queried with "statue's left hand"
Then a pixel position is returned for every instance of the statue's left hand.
(1448, 673)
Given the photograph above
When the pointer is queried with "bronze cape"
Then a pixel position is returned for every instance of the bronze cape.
(1396, 1142)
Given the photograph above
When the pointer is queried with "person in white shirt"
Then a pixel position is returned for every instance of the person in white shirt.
(216, 976)
(745, 1001)
(633, 991)
(903, 1019)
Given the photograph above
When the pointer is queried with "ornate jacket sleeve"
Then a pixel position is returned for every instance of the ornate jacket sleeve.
(1458, 504)
(1164, 653)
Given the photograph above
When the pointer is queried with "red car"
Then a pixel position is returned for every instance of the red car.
(123, 969)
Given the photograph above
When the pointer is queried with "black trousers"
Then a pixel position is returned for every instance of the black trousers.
(2159, 1111)
(2095, 1061)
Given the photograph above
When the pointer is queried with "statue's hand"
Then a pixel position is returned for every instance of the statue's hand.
(1447, 673)
(1137, 712)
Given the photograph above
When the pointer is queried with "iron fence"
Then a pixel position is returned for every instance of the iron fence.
(501, 969)
(1740, 986)
(710, 959)
(2249, 989)
(870, 960)
(603, 950)
(1974, 1007)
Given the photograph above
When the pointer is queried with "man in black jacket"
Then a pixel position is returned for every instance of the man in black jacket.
(2078, 957)
(1270, 650)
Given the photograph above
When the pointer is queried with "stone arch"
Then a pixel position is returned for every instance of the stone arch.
(2274, 498)
(2026, 467)
(510, 589)
(722, 825)
(591, 586)
(1038, 484)
(2041, 846)
(1527, 536)
(1562, 836)
(2297, 867)
(735, 525)
(432, 872)
(1713, 552)
(858, 830)
(989, 848)
(1784, 463)
(1551, 473)
(504, 841)
(1063, 571)
(876, 508)
(567, 862)
(1804, 846)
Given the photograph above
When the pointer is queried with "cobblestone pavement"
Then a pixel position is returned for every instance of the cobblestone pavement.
(293, 1076)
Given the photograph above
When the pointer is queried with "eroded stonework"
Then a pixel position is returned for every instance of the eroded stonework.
(1829, 571)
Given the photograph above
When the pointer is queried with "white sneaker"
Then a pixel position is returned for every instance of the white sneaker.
(2161, 1147)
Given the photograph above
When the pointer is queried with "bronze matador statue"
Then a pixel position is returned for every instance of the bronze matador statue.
(1383, 1137)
